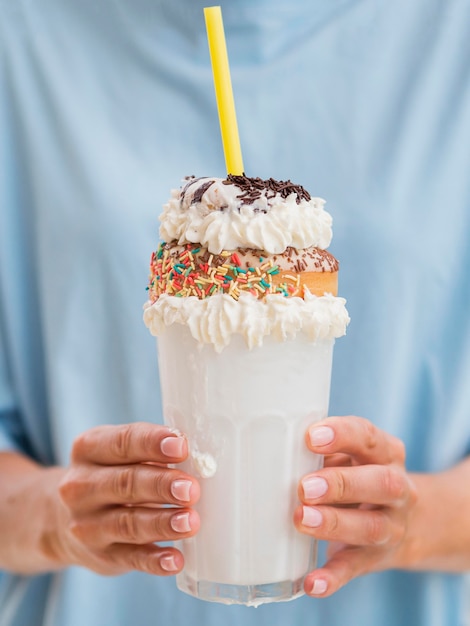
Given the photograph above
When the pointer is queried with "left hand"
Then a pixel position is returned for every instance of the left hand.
(360, 501)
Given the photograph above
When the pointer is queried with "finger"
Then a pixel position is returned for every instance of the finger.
(333, 547)
(85, 489)
(150, 559)
(351, 526)
(345, 565)
(135, 525)
(337, 460)
(129, 443)
(372, 484)
(357, 437)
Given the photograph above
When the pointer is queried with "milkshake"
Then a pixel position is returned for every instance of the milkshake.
(242, 298)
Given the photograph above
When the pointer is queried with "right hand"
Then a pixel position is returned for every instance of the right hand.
(120, 496)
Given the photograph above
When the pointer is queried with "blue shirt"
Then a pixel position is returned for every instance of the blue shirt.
(106, 105)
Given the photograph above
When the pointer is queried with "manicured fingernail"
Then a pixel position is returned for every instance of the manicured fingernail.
(172, 446)
(168, 563)
(319, 586)
(181, 490)
(180, 523)
(314, 487)
(321, 435)
(311, 517)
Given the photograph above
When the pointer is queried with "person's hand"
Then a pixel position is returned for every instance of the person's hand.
(120, 496)
(360, 501)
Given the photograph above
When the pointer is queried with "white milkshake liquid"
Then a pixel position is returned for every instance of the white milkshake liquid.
(245, 413)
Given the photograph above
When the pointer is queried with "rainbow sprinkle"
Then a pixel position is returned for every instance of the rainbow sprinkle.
(193, 271)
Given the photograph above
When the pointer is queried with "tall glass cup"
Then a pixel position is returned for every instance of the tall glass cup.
(245, 413)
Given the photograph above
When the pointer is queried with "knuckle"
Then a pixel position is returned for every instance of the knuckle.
(126, 526)
(160, 527)
(124, 483)
(72, 489)
(398, 450)
(78, 530)
(378, 531)
(66, 491)
(160, 485)
(136, 561)
(121, 442)
(341, 487)
(395, 484)
(80, 446)
(147, 442)
(331, 523)
(370, 435)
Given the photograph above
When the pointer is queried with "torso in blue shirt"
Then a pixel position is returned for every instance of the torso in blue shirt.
(106, 105)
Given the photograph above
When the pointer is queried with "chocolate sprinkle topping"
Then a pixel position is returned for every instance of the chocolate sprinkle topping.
(200, 191)
(253, 188)
(191, 180)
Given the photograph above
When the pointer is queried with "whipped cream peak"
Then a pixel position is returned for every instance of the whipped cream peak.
(226, 214)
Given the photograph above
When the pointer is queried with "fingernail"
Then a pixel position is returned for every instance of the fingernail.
(180, 523)
(321, 435)
(319, 586)
(181, 490)
(314, 487)
(168, 563)
(311, 517)
(172, 446)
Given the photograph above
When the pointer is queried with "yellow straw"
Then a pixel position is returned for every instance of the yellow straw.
(223, 91)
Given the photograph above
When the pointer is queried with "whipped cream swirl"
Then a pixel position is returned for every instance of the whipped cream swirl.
(213, 213)
(215, 319)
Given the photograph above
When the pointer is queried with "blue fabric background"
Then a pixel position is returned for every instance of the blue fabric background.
(106, 105)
